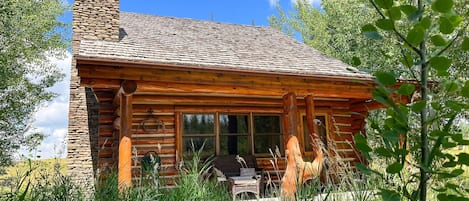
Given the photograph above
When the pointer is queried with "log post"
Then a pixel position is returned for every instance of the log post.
(312, 127)
(125, 143)
(291, 126)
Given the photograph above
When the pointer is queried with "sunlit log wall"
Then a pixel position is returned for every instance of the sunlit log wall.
(341, 123)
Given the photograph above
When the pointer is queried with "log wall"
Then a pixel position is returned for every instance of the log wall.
(152, 137)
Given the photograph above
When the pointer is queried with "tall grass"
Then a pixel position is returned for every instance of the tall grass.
(36, 183)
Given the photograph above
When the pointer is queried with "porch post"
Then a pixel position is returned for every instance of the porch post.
(310, 116)
(125, 144)
(291, 126)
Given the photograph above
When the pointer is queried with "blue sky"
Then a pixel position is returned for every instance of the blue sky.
(52, 118)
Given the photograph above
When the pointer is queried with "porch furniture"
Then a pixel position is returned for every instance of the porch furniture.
(238, 183)
(230, 167)
(241, 184)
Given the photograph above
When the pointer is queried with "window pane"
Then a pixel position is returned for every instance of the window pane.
(262, 143)
(267, 124)
(234, 134)
(234, 144)
(206, 142)
(233, 124)
(321, 129)
(198, 124)
(267, 133)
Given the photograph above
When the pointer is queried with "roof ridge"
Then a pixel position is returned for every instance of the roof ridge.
(199, 20)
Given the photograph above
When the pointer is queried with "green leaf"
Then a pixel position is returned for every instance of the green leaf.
(438, 40)
(408, 9)
(425, 22)
(390, 195)
(406, 89)
(448, 145)
(446, 26)
(457, 172)
(451, 87)
(442, 6)
(416, 35)
(384, 3)
(363, 168)
(463, 158)
(383, 152)
(465, 44)
(363, 147)
(394, 168)
(443, 197)
(361, 143)
(371, 32)
(465, 89)
(391, 136)
(449, 164)
(394, 13)
(385, 24)
(356, 61)
(385, 78)
(407, 60)
(440, 63)
(418, 106)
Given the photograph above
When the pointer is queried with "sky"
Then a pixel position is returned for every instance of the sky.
(52, 118)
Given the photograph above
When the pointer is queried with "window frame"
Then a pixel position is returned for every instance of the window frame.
(282, 143)
(217, 131)
(191, 135)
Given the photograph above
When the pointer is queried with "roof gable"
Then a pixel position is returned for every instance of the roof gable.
(188, 42)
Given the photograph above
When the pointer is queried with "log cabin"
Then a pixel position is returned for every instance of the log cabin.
(143, 83)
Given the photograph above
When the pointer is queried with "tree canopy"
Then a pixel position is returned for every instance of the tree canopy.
(30, 33)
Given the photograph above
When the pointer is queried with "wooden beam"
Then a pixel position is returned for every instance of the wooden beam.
(291, 126)
(347, 88)
(125, 144)
(127, 87)
(312, 127)
(224, 101)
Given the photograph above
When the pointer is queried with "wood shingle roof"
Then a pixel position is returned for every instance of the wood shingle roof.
(188, 42)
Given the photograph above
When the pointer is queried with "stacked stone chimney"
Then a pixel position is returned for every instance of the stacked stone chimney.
(92, 20)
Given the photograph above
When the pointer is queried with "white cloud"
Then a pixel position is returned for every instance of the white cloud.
(273, 3)
(315, 3)
(52, 118)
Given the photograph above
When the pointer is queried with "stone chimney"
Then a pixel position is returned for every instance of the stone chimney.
(92, 20)
(96, 19)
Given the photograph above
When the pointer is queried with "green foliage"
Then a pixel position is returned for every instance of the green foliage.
(335, 30)
(414, 138)
(39, 181)
(29, 33)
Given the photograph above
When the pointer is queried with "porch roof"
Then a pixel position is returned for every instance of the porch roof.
(213, 45)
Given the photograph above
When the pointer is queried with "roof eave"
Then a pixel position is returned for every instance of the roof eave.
(174, 66)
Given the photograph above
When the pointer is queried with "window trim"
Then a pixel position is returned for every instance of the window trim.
(282, 143)
(207, 135)
(217, 134)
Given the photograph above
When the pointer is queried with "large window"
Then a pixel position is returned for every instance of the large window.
(320, 122)
(199, 130)
(231, 134)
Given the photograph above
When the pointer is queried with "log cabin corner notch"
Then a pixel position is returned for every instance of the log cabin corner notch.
(243, 89)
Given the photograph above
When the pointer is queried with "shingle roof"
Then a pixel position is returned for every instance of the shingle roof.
(167, 40)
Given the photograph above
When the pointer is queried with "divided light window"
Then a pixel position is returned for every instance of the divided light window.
(267, 133)
(241, 134)
(199, 129)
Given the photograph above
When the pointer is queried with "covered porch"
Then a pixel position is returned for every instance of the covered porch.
(162, 108)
